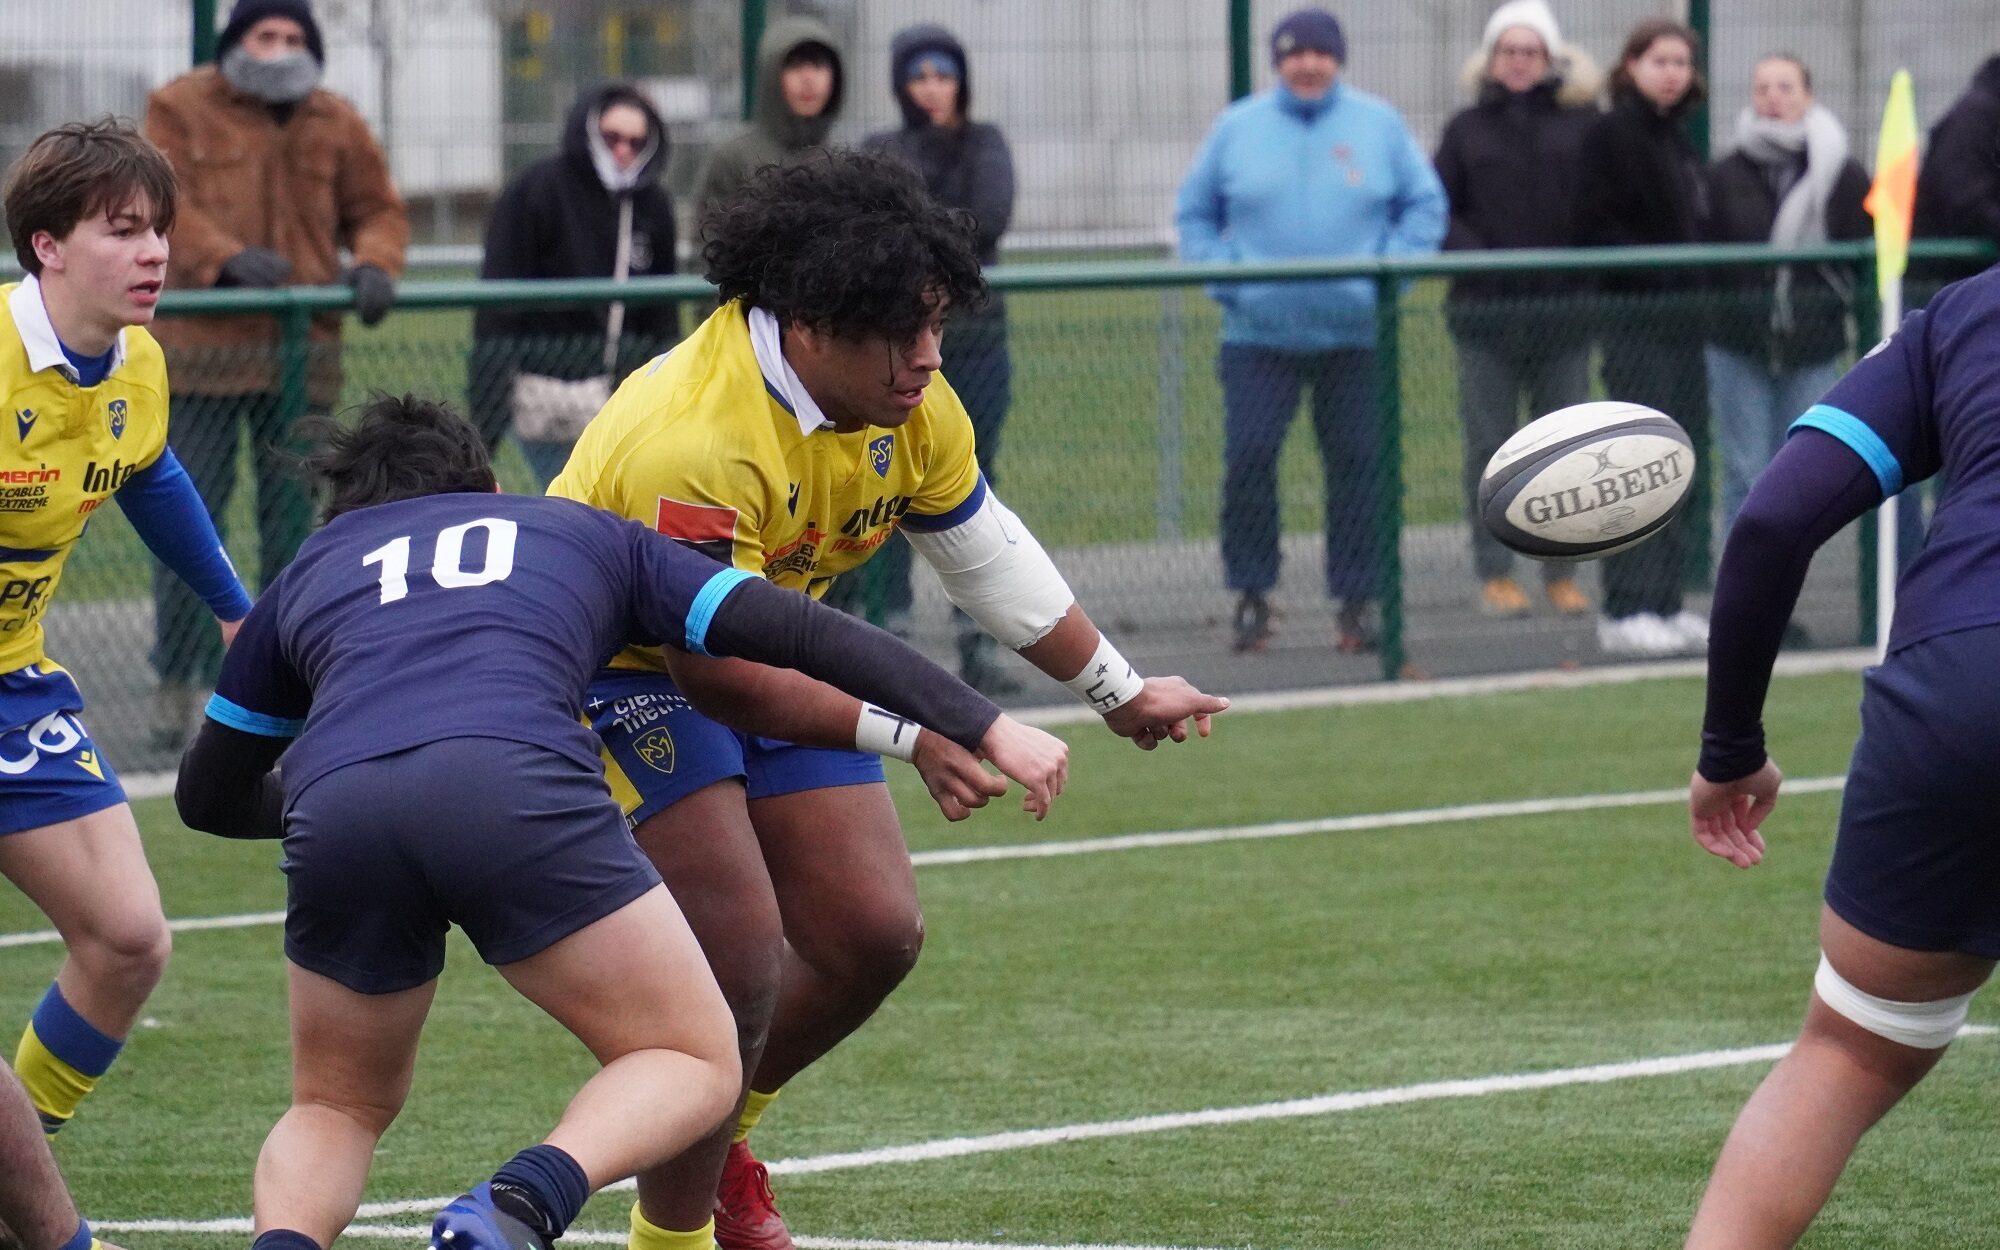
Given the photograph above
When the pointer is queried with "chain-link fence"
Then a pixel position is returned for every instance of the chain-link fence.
(1167, 474)
(1103, 102)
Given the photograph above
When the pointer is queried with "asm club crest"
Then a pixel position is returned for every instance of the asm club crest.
(879, 452)
(117, 410)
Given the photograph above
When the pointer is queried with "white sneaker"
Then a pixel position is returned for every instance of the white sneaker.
(1693, 629)
(1642, 634)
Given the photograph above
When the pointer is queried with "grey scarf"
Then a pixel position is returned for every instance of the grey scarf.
(281, 80)
(1801, 218)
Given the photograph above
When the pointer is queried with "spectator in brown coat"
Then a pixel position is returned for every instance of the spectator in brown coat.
(276, 175)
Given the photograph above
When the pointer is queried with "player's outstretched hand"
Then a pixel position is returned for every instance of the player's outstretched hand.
(1039, 761)
(1161, 712)
(953, 776)
(1724, 816)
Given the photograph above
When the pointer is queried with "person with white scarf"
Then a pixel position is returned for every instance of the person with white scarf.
(1779, 339)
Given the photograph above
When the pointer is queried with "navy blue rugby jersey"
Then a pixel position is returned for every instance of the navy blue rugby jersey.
(456, 615)
(1927, 402)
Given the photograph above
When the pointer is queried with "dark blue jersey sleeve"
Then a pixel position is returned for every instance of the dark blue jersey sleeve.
(165, 508)
(259, 690)
(1882, 409)
(674, 591)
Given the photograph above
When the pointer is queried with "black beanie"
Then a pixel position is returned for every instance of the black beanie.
(248, 13)
(1314, 30)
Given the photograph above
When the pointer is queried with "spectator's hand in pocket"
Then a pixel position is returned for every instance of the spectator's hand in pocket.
(374, 292)
(254, 266)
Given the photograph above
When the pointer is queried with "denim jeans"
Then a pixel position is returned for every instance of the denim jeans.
(1260, 396)
(1492, 382)
(1662, 371)
(1752, 407)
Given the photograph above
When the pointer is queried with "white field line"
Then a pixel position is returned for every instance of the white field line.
(1024, 1139)
(582, 1237)
(158, 785)
(1148, 841)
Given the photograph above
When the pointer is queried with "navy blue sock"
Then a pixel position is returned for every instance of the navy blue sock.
(552, 1181)
(284, 1239)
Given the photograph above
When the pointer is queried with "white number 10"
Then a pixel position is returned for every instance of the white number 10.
(446, 569)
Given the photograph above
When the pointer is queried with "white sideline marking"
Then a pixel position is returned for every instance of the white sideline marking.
(1147, 841)
(159, 785)
(584, 1237)
(246, 920)
(1024, 1139)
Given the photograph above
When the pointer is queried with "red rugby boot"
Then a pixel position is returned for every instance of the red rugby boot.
(746, 1215)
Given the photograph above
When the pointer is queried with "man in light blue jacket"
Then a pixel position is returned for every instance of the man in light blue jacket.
(1311, 167)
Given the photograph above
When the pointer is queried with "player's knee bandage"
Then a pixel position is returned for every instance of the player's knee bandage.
(997, 574)
(1925, 1026)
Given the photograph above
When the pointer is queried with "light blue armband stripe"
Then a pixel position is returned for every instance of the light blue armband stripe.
(706, 601)
(223, 712)
(1866, 443)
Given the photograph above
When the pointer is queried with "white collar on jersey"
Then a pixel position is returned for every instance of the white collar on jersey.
(38, 334)
(767, 341)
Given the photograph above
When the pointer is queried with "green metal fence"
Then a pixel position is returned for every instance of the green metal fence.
(1112, 451)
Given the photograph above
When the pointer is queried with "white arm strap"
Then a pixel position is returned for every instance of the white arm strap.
(996, 573)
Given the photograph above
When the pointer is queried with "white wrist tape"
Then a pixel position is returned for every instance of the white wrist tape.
(885, 733)
(997, 574)
(1108, 681)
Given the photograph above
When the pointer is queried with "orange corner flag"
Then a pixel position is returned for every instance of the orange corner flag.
(1892, 200)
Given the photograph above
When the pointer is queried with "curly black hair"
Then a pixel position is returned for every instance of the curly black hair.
(844, 242)
(401, 447)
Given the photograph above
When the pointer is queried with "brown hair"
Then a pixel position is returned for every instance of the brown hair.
(1805, 75)
(81, 169)
(1642, 39)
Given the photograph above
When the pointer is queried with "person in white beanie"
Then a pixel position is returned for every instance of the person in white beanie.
(1509, 168)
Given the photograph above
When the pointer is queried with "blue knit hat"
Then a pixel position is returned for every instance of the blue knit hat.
(248, 13)
(1314, 30)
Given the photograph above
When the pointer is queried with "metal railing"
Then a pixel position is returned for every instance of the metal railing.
(294, 308)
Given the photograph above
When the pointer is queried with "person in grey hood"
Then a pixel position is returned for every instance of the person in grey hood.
(595, 209)
(800, 87)
(965, 164)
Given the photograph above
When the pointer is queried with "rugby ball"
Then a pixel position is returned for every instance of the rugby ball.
(1587, 480)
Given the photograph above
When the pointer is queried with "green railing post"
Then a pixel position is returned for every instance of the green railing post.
(753, 34)
(1389, 408)
(204, 31)
(1239, 49)
(294, 330)
(1867, 328)
(1698, 119)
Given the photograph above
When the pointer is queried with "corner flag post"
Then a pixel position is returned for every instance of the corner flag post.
(1892, 202)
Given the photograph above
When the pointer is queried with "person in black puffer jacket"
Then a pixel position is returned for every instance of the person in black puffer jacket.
(563, 217)
(1776, 341)
(1641, 184)
(1958, 182)
(965, 164)
(1509, 168)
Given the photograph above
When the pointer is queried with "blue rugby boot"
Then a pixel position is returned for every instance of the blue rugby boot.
(472, 1222)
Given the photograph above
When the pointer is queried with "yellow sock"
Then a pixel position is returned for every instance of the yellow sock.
(647, 1235)
(753, 1111)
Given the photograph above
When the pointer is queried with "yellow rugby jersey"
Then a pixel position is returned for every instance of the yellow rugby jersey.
(700, 444)
(72, 447)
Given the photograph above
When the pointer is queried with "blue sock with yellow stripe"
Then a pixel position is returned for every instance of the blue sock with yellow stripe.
(60, 1058)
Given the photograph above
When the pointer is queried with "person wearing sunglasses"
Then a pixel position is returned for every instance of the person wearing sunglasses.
(594, 209)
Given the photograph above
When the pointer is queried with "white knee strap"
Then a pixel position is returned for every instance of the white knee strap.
(1925, 1026)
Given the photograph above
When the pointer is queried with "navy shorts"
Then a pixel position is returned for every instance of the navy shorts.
(516, 844)
(658, 750)
(1917, 862)
(50, 770)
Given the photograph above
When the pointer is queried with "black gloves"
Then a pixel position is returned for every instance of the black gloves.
(254, 266)
(374, 292)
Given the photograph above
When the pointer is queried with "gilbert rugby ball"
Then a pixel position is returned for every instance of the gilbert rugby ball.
(1587, 480)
